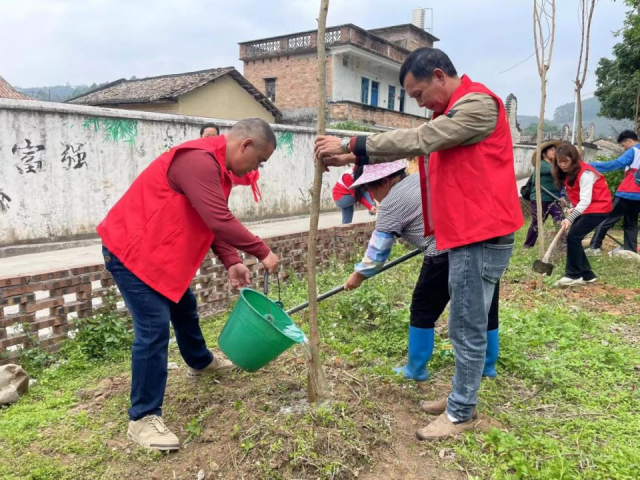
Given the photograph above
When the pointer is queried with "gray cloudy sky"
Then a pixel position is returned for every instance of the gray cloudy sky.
(48, 42)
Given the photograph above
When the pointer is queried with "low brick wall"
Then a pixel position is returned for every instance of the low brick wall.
(41, 308)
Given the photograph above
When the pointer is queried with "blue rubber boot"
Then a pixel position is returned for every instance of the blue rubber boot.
(420, 350)
(492, 354)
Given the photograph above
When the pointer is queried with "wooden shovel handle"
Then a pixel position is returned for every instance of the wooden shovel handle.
(545, 259)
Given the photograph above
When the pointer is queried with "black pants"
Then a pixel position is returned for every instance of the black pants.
(622, 207)
(578, 265)
(431, 294)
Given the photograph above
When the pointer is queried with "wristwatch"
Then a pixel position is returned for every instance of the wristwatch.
(344, 145)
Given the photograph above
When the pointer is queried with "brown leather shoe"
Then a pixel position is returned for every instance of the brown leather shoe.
(442, 427)
(434, 407)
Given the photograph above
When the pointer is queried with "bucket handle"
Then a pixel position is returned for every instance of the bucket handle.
(266, 289)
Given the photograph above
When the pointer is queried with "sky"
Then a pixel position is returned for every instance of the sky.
(51, 42)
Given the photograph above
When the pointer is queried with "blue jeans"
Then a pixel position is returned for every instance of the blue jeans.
(152, 313)
(474, 271)
(348, 205)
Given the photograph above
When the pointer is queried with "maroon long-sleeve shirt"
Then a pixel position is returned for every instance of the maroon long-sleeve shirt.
(196, 174)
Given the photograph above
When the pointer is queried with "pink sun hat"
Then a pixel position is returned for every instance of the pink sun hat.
(371, 173)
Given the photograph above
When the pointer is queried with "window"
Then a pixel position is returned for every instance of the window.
(374, 93)
(270, 86)
(364, 92)
(392, 98)
(402, 100)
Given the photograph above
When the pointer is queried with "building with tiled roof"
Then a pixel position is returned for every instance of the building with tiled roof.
(217, 93)
(7, 91)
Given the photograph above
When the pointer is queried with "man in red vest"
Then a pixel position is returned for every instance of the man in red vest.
(154, 240)
(470, 201)
(250, 179)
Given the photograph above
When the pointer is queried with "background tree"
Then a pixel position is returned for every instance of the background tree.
(618, 79)
(585, 14)
(547, 127)
(544, 33)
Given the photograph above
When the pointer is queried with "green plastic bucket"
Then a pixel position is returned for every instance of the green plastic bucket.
(257, 332)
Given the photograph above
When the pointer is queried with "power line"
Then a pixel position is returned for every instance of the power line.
(518, 64)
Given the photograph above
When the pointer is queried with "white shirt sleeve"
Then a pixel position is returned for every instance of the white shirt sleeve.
(587, 180)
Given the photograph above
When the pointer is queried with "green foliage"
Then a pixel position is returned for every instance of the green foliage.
(350, 125)
(618, 79)
(547, 127)
(194, 428)
(566, 391)
(105, 334)
(35, 359)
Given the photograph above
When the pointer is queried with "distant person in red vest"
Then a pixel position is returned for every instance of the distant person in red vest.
(346, 199)
(154, 240)
(626, 203)
(470, 184)
(588, 191)
(250, 179)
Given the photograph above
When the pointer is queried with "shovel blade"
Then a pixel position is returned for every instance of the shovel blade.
(542, 267)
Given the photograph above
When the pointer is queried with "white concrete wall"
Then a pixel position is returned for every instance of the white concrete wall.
(347, 83)
(115, 146)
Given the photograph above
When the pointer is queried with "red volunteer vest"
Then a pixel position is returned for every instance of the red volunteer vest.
(473, 193)
(629, 184)
(155, 232)
(600, 198)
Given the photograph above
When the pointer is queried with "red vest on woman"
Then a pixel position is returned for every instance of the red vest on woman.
(473, 192)
(154, 230)
(600, 197)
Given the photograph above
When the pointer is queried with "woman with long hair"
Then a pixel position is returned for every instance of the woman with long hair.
(588, 192)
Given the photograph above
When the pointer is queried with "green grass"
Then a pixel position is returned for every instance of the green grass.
(566, 393)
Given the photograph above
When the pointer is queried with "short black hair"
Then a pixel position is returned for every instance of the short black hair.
(422, 62)
(257, 129)
(209, 125)
(627, 135)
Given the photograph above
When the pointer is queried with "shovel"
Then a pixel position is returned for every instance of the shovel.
(543, 266)
(558, 200)
(339, 289)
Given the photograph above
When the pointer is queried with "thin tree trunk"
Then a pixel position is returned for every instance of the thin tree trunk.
(543, 66)
(541, 246)
(636, 120)
(317, 388)
(586, 17)
(579, 130)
